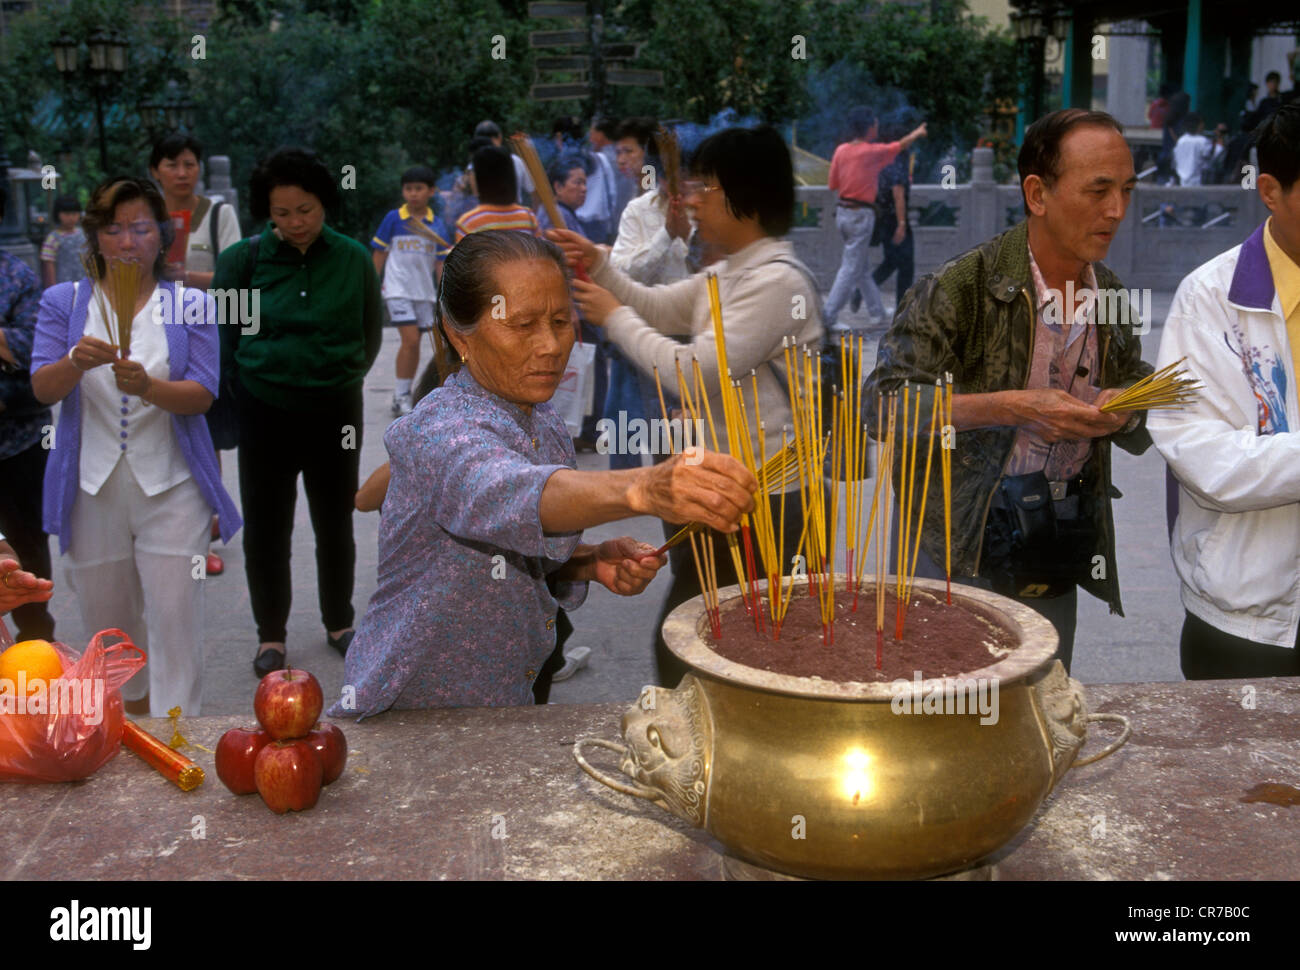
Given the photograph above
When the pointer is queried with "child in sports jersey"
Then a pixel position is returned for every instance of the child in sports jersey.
(409, 247)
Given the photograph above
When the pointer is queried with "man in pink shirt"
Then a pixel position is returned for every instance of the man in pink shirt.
(855, 169)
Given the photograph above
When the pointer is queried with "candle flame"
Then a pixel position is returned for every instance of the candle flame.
(856, 781)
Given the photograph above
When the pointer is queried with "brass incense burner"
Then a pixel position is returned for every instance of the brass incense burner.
(822, 779)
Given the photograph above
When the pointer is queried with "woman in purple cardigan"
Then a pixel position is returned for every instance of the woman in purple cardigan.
(132, 480)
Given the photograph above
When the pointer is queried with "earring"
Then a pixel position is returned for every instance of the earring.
(464, 359)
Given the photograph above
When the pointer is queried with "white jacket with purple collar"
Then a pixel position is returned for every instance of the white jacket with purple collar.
(1235, 452)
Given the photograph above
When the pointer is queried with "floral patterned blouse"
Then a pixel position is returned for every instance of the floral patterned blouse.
(464, 614)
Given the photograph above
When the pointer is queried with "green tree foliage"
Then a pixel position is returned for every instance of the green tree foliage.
(405, 87)
(718, 54)
(262, 89)
(382, 84)
(950, 66)
(55, 116)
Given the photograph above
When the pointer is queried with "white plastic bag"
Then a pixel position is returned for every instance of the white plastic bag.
(573, 398)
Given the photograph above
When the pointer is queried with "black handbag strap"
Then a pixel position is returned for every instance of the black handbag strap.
(212, 229)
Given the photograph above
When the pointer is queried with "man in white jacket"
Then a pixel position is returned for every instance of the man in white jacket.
(1236, 451)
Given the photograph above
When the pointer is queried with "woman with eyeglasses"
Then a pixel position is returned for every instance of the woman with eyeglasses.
(132, 482)
(742, 200)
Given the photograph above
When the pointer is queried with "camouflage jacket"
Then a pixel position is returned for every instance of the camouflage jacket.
(975, 318)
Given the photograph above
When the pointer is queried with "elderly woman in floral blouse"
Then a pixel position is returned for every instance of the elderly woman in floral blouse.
(482, 522)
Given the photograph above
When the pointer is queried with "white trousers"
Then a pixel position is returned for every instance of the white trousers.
(135, 562)
(855, 227)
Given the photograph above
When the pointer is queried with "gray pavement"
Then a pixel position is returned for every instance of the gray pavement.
(1143, 646)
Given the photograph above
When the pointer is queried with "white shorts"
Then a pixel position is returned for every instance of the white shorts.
(405, 312)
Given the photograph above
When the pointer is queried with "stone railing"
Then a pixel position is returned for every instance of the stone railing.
(1167, 232)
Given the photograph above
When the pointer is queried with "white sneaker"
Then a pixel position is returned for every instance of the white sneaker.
(574, 660)
(402, 405)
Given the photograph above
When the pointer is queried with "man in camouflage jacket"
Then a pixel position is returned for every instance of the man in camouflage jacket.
(976, 319)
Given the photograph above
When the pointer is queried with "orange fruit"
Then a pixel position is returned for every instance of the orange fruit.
(35, 658)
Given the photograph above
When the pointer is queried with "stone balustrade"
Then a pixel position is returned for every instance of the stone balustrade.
(1167, 232)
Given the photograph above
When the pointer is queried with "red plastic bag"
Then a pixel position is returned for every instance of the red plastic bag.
(79, 726)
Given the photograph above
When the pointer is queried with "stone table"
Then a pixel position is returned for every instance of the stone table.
(495, 794)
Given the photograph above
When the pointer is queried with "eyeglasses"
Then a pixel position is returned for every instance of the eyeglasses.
(137, 229)
(698, 188)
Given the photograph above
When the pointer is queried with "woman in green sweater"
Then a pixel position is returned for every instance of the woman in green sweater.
(296, 369)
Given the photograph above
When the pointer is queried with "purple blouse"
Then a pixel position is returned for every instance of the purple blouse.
(464, 613)
(192, 356)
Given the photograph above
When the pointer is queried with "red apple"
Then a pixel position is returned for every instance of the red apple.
(288, 775)
(332, 747)
(236, 752)
(287, 703)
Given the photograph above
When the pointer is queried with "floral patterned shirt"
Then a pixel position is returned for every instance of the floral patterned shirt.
(23, 416)
(464, 613)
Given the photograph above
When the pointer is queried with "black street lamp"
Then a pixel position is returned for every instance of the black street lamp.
(1030, 28)
(174, 112)
(106, 64)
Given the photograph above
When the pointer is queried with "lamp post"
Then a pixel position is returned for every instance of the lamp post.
(106, 63)
(174, 112)
(1029, 26)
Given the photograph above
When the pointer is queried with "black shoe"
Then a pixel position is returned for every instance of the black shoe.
(267, 662)
(341, 644)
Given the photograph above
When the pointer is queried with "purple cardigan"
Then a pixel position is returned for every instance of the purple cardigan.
(192, 355)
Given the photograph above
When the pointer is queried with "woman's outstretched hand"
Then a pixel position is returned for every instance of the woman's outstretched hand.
(697, 486)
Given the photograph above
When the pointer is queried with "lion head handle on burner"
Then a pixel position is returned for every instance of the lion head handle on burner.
(1064, 720)
(666, 750)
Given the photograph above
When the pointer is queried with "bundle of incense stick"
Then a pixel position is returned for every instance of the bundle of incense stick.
(811, 451)
(777, 473)
(678, 537)
(811, 443)
(904, 431)
(882, 471)
(854, 431)
(737, 448)
(935, 431)
(523, 146)
(1167, 389)
(420, 229)
(124, 281)
(670, 157)
(172, 765)
(120, 284)
(701, 545)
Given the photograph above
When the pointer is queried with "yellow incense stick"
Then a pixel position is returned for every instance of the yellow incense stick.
(420, 229)
(925, 489)
(904, 505)
(947, 483)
